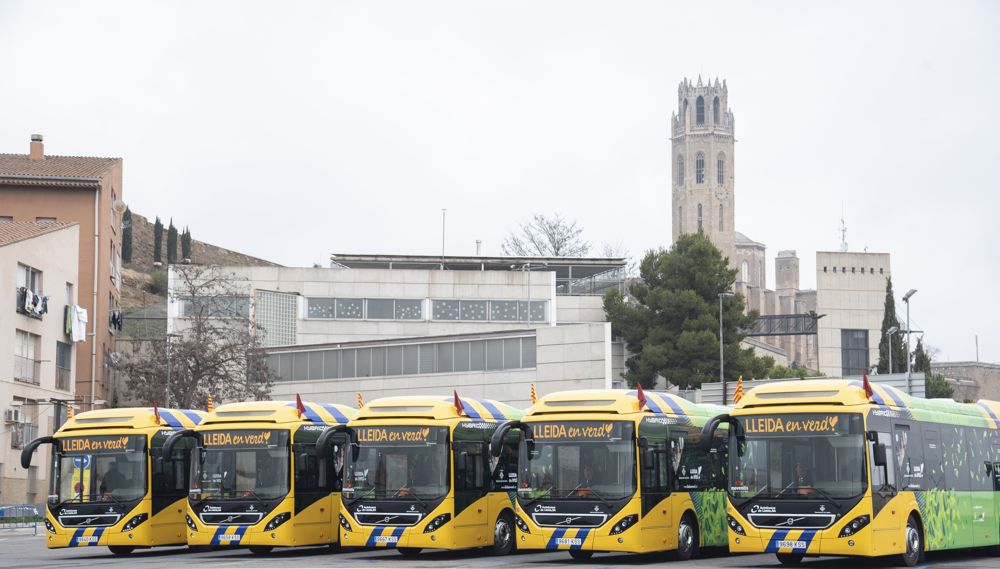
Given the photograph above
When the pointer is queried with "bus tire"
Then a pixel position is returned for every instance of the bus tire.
(581, 554)
(503, 534)
(914, 540)
(687, 538)
(409, 551)
(790, 558)
(121, 549)
(335, 547)
(260, 549)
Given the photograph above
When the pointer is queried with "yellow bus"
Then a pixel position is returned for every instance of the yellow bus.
(616, 470)
(109, 484)
(266, 474)
(420, 476)
(837, 467)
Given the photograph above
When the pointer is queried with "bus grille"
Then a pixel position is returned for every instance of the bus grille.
(570, 520)
(792, 521)
(83, 520)
(231, 518)
(388, 518)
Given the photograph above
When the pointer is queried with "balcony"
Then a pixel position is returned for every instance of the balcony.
(20, 295)
(26, 370)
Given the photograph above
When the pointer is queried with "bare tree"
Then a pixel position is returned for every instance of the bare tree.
(216, 350)
(618, 250)
(546, 236)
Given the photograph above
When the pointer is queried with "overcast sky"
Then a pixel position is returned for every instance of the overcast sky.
(291, 131)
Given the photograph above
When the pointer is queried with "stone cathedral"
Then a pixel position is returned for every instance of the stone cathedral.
(703, 199)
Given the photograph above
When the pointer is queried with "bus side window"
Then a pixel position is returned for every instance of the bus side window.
(720, 459)
(933, 464)
(908, 450)
(470, 467)
(884, 476)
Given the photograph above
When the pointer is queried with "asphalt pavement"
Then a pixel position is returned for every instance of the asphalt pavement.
(19, 548)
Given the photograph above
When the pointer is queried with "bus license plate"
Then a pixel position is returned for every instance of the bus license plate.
(569, 541)
(386, 538)
(791, 544)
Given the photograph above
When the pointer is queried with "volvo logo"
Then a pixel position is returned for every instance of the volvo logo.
(386, 519)
(569, 520)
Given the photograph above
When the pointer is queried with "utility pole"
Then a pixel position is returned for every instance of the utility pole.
(906, 299)
(722, 353)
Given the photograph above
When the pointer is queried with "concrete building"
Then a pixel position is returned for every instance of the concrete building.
(84, 190)
(386, 325)
(971, 380)
(850, 293)
(38, 362)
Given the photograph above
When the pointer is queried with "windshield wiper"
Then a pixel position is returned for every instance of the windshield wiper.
(410, 494)
(601, 497)
(826, 495)
(254, 495)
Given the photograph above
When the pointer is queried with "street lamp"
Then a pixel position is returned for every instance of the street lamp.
(722, 355)
(888, 335)
(906, 299)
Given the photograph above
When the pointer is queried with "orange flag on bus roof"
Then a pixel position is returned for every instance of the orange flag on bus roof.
(534, 396)
(738, 394)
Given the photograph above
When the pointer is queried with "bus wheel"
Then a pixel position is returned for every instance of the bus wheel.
(914, 544)
(581, 554)
(687, 539)
(790, 558)
(121, 549)
(409, 551)
(260, 549)
(503, 535)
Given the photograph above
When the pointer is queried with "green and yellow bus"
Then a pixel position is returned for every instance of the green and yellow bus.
(615, 470)
(420, 476)
(837, 467)
(266, 474)
(109, 483)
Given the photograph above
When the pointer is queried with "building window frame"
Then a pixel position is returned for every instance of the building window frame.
(699, 168)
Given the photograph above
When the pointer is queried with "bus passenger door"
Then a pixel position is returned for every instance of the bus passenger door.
(169, 490)
(887, 527)
(313, 521)
(655, 481)
(470, 466)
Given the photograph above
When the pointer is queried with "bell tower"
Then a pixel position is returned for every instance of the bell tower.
(702, 144)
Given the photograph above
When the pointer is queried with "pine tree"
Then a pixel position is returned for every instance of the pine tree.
(921, 361)
(171, 243)
(127, 236)
(186, 244)
(935, 386)
(158, 241)
(889, 320)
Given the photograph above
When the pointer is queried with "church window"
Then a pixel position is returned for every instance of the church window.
(715, 111)
(745, 271)
(699, 217)
(699, 110)
(680, 170)
(699, 168)
(881, 271)
(684, 113)
(720, 168)
(721, 225)
(824, 269)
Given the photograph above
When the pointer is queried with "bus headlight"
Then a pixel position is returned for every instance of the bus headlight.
(735, 525)
(344, 523)
(437, 522)
(854, 525)
(49, 526)
(521, 525)
(277, 521)
(134, 522)
(190, 522)
(623, 524)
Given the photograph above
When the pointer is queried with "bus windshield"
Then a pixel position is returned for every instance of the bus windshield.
(399, 462)
(105, 468)
(241, 464)
(799, 456)
(578, 460)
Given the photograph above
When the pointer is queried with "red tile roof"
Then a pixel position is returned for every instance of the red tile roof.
(14, 231)
(15, 165)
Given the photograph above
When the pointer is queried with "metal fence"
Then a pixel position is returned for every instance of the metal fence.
(17, 516)
(712, 392)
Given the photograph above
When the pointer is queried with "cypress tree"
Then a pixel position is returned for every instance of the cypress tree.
(889, 319)
(127, 236)
(171, 243)
(186, 244)
(158, 241)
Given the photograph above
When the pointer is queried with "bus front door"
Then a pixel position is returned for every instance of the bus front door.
(471, 526)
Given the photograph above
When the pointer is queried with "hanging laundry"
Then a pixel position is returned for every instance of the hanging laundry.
(29, 304)
(68, 320)
(79, 324)
(43, 307)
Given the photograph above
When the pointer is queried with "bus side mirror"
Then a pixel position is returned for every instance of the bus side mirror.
(878, 454)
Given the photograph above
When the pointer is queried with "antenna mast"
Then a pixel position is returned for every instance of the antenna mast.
(843, 230)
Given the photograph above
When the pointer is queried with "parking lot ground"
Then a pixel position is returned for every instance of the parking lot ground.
(26, 551)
